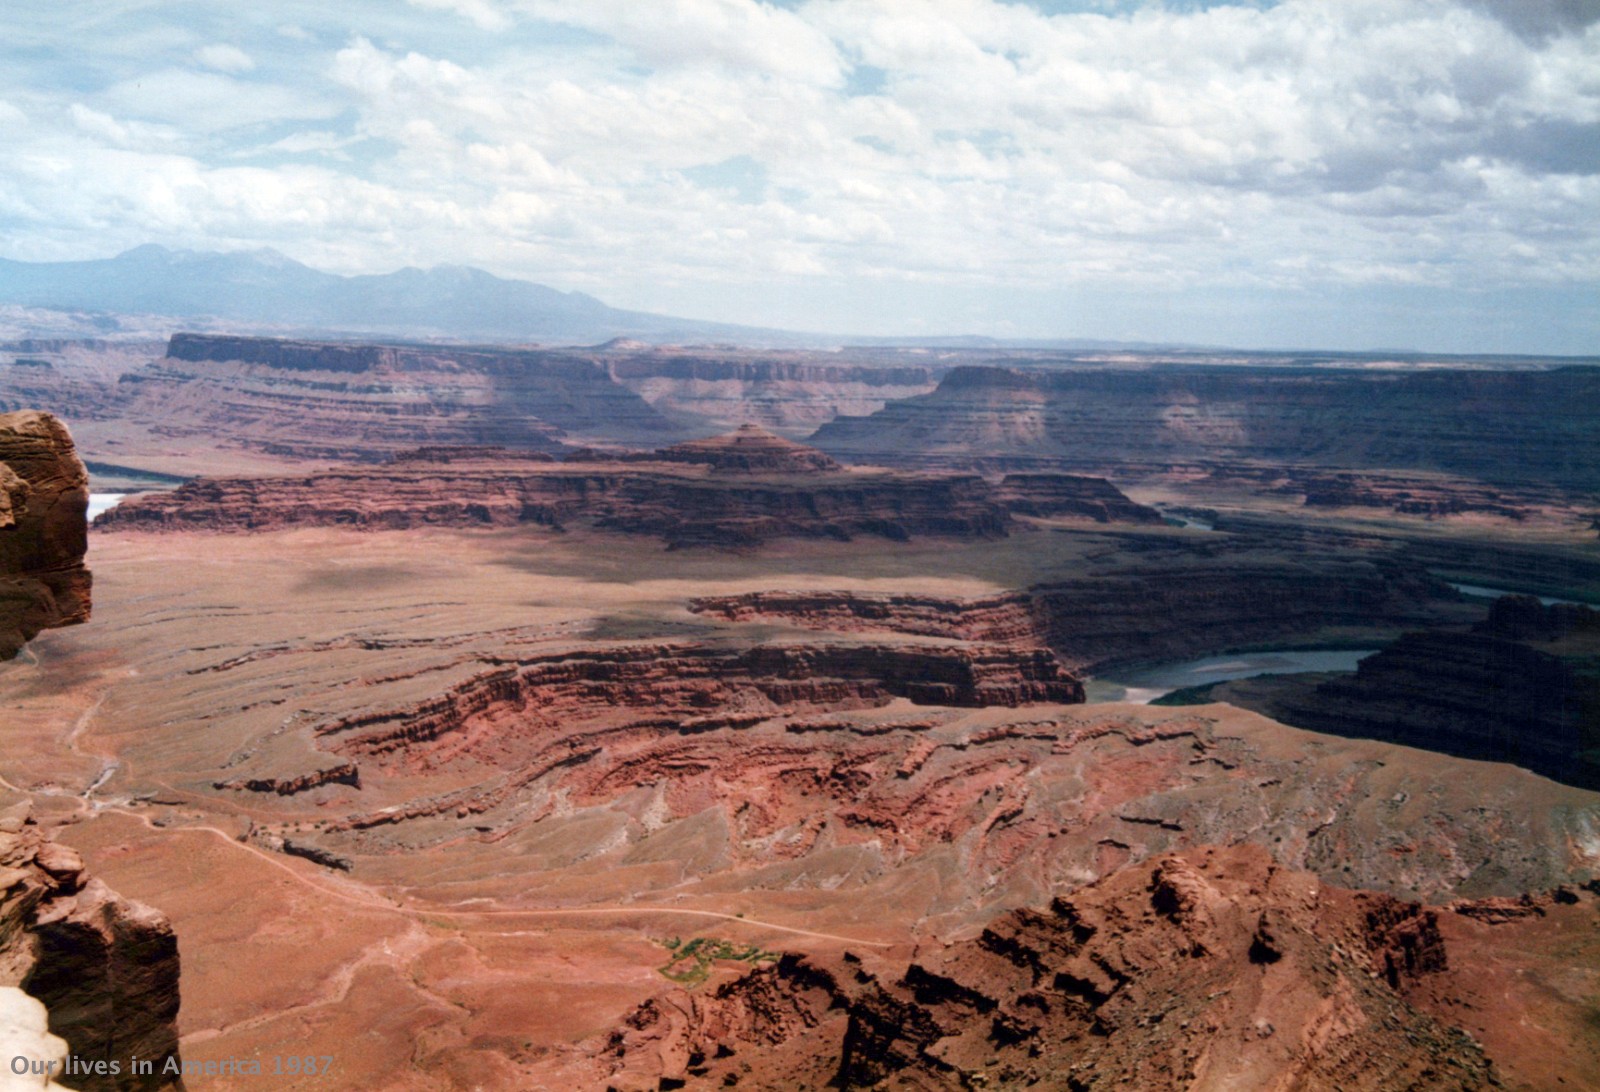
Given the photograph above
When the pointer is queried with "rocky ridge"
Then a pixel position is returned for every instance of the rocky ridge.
(735, 490)
(1212, 968)
(1047, 495)
(749, 449)
(104, 966)
(44, 494)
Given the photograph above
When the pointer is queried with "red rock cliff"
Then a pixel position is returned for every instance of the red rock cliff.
(44, 494)
(105, 967)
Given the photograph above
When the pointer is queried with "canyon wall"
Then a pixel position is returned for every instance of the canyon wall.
(1523, 687)
(44, 494)
(1186, 610)
(319, 400)
(682, 509)
(1049, 495)
(790, 392)
(1489, 425)
(734, 490)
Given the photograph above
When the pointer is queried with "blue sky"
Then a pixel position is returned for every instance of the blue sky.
(1367, 173)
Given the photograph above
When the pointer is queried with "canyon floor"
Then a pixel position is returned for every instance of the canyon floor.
(484, 911)
(480, 722)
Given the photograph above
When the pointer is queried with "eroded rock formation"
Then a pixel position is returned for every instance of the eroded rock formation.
(1214, 968)
(519, 706)
(44, 493)
(1496, 426)
(1072, 495)
(735, 490)
(1522, 687)
(749, 449)
(1186, 610)
(104, 966)
(791, 391)
(317, 400)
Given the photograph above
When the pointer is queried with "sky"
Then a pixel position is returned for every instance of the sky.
(1348, 174)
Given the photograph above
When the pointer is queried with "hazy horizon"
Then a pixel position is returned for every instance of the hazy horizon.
(1412, 174)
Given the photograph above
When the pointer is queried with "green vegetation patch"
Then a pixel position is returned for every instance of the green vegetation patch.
(692, 959)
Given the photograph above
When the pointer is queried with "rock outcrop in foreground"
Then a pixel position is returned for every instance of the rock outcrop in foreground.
(1211, 968)
(741, 489)
(104, 966)
(44, 494)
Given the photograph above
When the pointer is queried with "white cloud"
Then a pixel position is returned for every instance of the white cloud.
(481, 13)
(747, 35)
(224, 58)
(209, 102)
(120, 133)
(928, 142)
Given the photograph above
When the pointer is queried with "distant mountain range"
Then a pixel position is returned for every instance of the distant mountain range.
(263, 289)
(149, 289)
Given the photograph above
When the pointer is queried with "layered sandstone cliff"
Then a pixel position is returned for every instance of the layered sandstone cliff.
(1496, 426)
(749, 449)
(1072, 495)
(681, 506)
(739, 489)
(1213, 968)
(319, 400)
(1186, 610)
(696, 688)
(1522, 687)
(44, 493)
(104, 966)
(789, 391)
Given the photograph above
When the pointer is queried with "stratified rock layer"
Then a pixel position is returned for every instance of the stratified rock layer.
(750, 449)
(1072, 495)
(1495, 426)
(735, 490)
(1115, 618)
(1523, 687)
(792, 391)
(320, 400)
(105, 967)
(696, 688)
(1210, 969)
(44, 495)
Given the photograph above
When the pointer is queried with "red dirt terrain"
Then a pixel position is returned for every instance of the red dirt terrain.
(437, 803)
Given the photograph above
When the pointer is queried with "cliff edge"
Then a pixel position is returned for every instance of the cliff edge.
(44, 495)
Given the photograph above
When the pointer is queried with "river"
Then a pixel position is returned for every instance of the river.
(1479, 592)
(103, 502)
(1143, 685)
